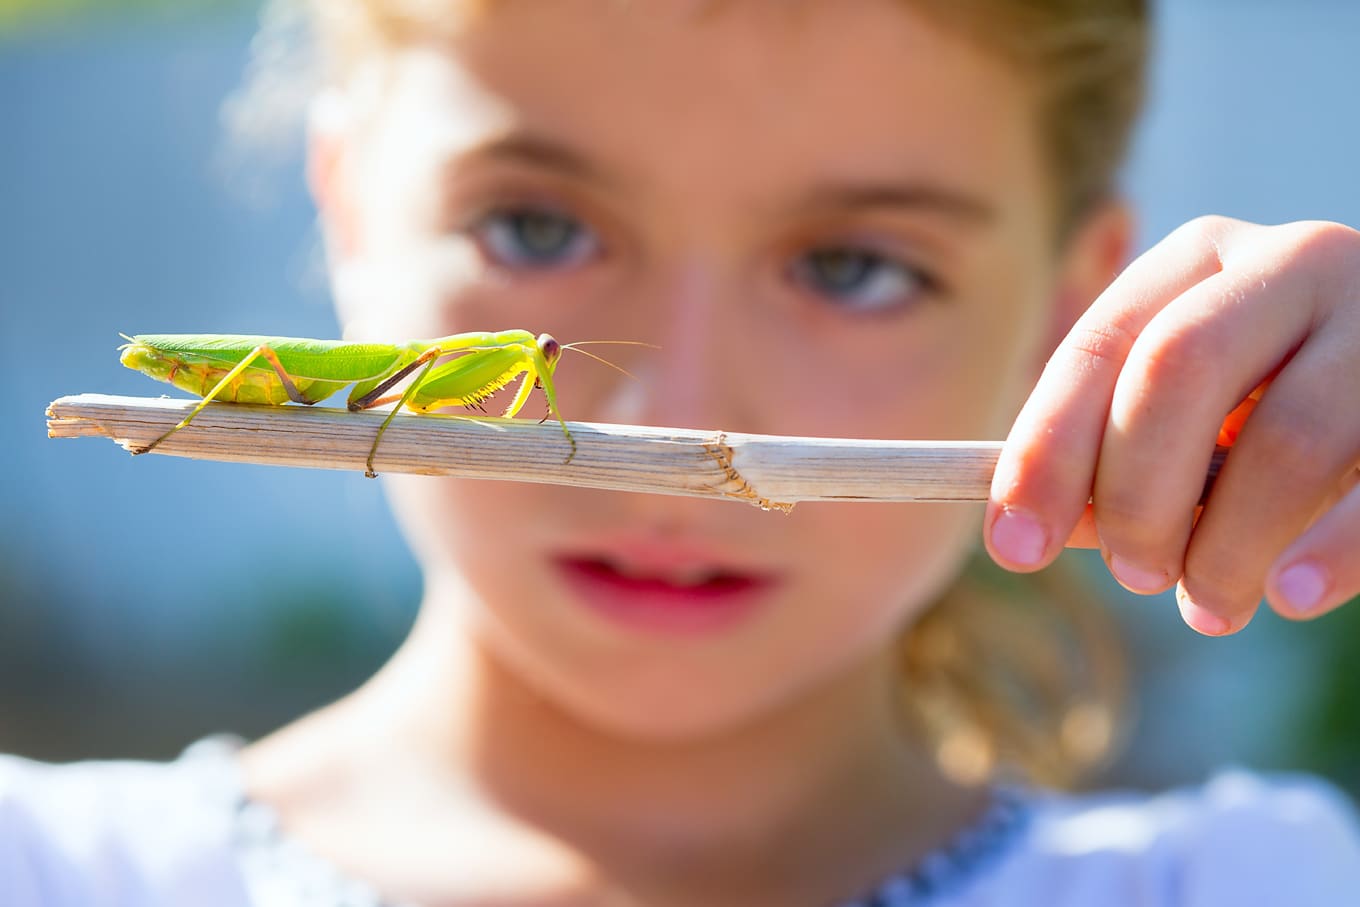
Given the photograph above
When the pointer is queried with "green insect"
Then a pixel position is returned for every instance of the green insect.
(243, 368)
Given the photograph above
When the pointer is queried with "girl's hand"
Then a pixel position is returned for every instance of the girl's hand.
(1129, 407)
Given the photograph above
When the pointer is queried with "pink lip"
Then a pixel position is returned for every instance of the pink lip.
(652, 588)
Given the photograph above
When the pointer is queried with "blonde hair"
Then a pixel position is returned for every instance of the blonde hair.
(1017, 675)
(1005, 671)
(1087, 60)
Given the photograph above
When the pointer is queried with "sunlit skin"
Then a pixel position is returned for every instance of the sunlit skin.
(821, 242)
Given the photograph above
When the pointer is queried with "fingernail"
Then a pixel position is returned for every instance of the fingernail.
(1302, 586)
(1199, 618)
(1019, 538)
(1137, 579)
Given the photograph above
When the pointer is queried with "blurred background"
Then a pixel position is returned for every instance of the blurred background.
(144, 603)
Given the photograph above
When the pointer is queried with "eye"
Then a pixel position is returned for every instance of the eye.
(535, 239)
(861, 279)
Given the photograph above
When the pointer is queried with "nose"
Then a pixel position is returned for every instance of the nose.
(692, 380)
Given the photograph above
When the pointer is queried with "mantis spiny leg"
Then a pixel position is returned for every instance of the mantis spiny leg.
(429, 357)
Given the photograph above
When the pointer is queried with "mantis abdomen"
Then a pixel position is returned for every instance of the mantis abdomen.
(197, 364)
(199, 376)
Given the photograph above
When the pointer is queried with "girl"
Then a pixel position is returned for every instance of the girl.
(875, 218)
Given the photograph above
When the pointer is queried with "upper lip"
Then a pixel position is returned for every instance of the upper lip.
(670, 559)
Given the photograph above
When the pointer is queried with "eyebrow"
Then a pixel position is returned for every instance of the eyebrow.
(935, 199)
(537, 151)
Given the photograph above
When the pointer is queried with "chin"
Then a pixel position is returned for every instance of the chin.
(672, 700)
(667, 721)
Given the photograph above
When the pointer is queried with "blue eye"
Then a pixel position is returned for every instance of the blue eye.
(860, 279)
(535, 239)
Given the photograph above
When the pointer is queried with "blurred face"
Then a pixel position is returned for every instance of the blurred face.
(829, 216)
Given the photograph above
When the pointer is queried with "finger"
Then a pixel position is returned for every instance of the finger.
(1190, 367)
(1083, 535)
(1320, 571)
(1046, 470)
(1293, 453)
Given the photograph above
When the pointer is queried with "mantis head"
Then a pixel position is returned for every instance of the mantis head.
(551, 350)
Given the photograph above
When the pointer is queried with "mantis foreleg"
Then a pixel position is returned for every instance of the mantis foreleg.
(429, 357)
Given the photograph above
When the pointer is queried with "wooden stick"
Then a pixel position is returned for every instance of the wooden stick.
(769, 471)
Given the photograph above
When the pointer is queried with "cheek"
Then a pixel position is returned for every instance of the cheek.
(884, 562)
(477, 529)
(942, 383)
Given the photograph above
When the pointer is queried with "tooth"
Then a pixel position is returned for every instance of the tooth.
(627, 570)
(691, 576)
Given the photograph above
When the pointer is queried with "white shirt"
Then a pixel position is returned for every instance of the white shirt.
(141, 834)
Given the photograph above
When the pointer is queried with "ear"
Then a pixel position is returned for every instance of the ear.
(328, 146)
(1094, 256)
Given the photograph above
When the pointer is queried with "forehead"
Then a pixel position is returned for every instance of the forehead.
(760, 90)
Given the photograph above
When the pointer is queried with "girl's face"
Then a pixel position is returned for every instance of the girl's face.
(832, 219)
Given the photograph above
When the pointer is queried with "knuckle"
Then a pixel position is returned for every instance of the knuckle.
(1188, 355)
(1323, 239)
(1328, 253)
(1207, 229)
(1098, 345)
(1291, 439)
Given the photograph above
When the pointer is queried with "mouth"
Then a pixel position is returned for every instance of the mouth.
(664, 592)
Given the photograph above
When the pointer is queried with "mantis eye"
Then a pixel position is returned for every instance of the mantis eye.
(549, 347)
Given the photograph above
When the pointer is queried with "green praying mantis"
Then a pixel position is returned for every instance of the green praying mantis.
(245, 368)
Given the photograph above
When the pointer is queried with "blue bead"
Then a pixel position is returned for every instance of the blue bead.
(950, 867)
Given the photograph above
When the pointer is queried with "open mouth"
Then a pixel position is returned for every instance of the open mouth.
(684, 580)
(691, 596)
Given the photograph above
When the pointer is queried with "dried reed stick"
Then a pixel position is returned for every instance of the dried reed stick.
(768, 471)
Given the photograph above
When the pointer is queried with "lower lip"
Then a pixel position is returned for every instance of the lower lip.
(656, 606)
